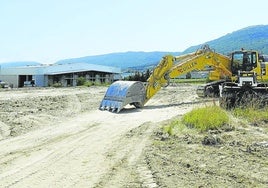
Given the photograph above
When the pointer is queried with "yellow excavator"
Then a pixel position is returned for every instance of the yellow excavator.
(230, 76)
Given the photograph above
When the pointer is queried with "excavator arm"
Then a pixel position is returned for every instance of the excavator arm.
(135, 93)
(172, 67)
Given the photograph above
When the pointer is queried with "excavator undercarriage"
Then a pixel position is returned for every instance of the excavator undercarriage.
(210, 89)
(246, 92)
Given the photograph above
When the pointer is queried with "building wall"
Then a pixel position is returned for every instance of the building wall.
(63, 75)
(40, 80)
(13, 80)
(17, 75)
(70, 79)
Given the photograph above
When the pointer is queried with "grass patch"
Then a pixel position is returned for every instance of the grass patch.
(176, 127)
(203, 119)
(251, 114)
(88, 83)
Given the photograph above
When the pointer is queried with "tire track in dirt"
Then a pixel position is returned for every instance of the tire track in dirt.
(125, 160)
(74, 105)
(48, 154)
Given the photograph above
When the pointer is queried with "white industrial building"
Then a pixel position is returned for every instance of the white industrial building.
(63, 74)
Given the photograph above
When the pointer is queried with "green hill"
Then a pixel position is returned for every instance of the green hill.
(253, 37)
(123, 60)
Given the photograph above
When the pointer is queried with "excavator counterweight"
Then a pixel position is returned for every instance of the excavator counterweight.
(121, 93)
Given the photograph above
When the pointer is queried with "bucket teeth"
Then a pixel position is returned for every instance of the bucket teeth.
(113, 106)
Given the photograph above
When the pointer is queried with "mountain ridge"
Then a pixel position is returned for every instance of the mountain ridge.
(122, 59)
(251, 37)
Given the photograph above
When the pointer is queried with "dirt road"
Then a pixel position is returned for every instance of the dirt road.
(59, 138)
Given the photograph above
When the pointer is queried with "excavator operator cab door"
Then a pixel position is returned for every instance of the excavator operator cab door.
(243, 61)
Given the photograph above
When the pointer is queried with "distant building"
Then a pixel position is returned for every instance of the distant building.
(63, 74)
(196, 74)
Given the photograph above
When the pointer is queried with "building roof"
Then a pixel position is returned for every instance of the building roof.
(78, 67)
(57, 69)
(19, 64)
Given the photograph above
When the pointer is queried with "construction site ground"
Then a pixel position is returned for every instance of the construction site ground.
(57, 137)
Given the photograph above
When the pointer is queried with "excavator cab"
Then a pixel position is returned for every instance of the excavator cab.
(243, 61)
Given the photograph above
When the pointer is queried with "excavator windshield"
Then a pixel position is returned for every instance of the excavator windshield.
(243, 60)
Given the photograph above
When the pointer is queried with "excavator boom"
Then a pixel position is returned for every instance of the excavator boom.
(172, 67)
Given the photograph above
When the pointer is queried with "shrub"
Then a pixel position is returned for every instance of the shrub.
(81, 81)
(211, 117)
(88, 83)
(58, 84)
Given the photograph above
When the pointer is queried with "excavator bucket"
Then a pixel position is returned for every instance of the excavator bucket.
(121, 93)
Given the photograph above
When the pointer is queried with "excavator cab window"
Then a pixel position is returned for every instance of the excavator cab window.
(243, 61)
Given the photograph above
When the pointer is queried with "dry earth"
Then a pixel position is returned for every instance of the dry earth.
(57, 137)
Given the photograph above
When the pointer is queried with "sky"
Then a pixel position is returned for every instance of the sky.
(50, 30)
